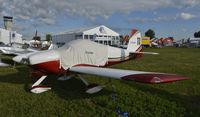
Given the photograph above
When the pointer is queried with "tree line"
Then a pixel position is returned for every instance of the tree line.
(197, 34)
(150, 33)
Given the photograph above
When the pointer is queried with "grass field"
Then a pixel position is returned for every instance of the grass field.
(67, 98)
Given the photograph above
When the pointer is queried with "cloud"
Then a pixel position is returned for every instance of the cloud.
(23, 17)
(183, 16)
(143, 20)
(30, 14)
(186, 16)
(47, 11)
(48, 21)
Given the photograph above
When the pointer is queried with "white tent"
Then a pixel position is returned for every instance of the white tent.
(100, 34)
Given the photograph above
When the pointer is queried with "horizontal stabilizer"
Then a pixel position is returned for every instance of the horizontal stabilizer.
(138, 76)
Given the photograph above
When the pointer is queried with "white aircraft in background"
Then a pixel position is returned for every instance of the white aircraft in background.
(16, 51)
(87, 57)
(11, 50)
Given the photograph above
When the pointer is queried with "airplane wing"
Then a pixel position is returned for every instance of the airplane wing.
(145, 53)
(13, 52)
(16, 51)
(138, 76)
(20, 51)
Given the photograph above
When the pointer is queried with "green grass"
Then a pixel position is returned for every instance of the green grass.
(67, 98)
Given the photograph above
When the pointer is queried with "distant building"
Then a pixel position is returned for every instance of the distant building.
(7, 36)
(99, 34)
(194, 42)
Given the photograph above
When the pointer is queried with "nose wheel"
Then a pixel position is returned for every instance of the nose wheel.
(90, 88)
(37, 88)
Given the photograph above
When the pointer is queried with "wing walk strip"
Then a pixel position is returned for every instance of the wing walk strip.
(138, 76)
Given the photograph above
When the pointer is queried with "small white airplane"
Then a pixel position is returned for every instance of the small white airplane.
(9, 50)
(88, 57)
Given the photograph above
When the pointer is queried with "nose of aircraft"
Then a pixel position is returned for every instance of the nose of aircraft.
(44, 56)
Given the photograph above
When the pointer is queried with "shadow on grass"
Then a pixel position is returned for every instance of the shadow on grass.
(7, 59)
(69, 90)
(20, 77)
(190, 103)
(74, 89)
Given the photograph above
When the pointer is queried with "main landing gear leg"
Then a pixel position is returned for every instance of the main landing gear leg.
(65, 77)
(36, 88)
(91, 88)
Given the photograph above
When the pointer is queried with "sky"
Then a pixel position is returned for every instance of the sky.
(168, 18)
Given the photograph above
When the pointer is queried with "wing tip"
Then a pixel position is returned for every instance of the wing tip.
(154, 78)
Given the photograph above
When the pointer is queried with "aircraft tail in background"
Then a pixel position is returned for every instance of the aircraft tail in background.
(135, 41)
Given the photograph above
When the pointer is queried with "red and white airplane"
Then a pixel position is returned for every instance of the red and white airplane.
(88, 57)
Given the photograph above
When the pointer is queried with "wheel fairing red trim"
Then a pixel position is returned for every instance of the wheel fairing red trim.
(39, 87)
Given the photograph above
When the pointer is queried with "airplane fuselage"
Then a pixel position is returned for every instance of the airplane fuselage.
(48, 62)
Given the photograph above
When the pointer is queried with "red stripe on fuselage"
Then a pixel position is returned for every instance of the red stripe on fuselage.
(53, 67)
(50, 67)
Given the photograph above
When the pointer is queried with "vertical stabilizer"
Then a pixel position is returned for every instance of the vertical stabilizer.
(135, 41)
